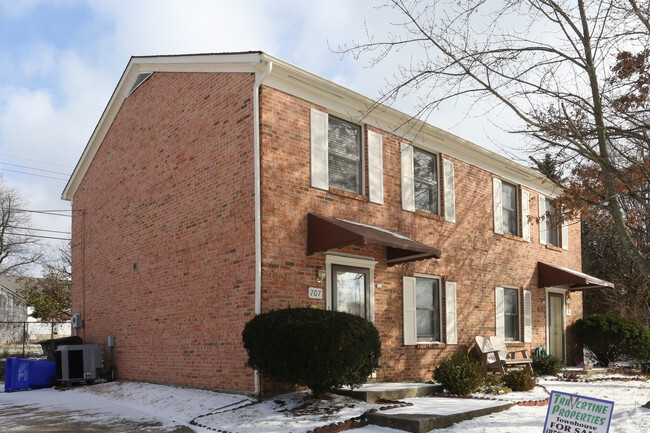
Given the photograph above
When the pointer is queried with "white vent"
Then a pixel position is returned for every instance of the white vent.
(141, 78)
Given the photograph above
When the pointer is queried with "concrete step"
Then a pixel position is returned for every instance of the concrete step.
(372, 392)
(408, 419)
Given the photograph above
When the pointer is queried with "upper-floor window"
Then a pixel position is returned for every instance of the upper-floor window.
(421, 180)
(337, 156)
(552, 227)
(425, 175)
(344, 155)
(509, 209)
(552, 231)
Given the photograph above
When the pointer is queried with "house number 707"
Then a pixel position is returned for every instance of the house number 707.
(315, 293)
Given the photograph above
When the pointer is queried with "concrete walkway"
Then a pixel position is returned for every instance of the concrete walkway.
(28, 419)
(428, 414)
(421, 414)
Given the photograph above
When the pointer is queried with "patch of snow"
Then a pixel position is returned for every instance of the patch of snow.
(388, 386)
(443, 406)
(298, 412)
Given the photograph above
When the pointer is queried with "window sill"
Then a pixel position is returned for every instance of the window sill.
(430, 345)
(553, 248)
(348, 194)
(429, 215)
(513, 237)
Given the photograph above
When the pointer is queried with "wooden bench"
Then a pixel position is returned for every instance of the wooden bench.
(497, 359)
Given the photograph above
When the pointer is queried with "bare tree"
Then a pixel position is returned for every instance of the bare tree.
(19, 249)
(562, 67)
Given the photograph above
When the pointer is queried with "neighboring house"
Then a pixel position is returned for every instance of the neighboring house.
(219, 186)
(10, 311)
(12, 315)
(16, 321)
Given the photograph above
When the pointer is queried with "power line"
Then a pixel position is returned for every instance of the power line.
(38, 236)
(35, 160)
(33, 174)
(33, 168)
(47, 212)
(39, 230)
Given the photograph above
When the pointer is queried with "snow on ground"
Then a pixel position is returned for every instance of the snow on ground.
(297, 412)
(628, 397)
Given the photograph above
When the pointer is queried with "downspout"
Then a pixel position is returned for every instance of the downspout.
(259, 77)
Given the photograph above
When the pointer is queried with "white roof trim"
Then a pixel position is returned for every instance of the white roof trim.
(315, 89)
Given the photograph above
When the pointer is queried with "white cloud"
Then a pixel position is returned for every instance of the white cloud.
(38, 60)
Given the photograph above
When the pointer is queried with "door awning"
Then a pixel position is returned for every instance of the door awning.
(325, 233)
(554, 275)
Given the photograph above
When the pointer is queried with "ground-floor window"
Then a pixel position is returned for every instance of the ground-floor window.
(427, 295)
(511, 315)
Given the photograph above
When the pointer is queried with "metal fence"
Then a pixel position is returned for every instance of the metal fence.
(21, 338)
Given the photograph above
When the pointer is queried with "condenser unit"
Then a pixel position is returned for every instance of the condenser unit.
(78, 363)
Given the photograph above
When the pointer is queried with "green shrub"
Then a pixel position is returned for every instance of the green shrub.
(547, 365)
(460, 374)
(520, 380)
(323, 350)
(613, 338)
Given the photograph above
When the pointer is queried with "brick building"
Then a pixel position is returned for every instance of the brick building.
(215, 187)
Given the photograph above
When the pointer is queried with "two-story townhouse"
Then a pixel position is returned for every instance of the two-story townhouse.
(216, 187)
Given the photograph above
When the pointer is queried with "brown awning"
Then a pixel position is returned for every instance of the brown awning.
(555, 275)
(325, 233)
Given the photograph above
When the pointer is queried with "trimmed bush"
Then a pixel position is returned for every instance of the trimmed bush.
(460, 374)
(323, 350)
(613, 338)
(547, 365)
(520, 380)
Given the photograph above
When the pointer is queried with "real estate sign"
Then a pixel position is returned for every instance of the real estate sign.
(570, 413)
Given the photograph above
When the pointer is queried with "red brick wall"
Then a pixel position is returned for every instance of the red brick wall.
(473, 256)
(163, 228)
(163, 256)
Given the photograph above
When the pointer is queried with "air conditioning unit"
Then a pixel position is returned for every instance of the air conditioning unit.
(78, 363)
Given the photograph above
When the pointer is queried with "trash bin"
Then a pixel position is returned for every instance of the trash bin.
(50, 346)
(28, 373)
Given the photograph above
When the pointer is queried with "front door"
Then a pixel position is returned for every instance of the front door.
(351, 290)
(556, 325)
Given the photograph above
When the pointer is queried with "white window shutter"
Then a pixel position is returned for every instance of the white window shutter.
(410, 309)
(542, 219)
(319, 152)
(498, 208)
(528, 317)
(375, 168)
(450, 307)
(450, 192)
(565, 235)
(408, 178)
(499, 317)
(525, 215)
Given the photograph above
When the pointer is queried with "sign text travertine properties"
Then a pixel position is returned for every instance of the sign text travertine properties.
(570, 413)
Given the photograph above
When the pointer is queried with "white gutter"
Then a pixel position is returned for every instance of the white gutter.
(259, 77)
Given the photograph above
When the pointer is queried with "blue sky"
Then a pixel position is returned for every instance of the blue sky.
(61, 59)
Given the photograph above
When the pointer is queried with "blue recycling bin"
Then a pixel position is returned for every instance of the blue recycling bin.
(28, 373)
